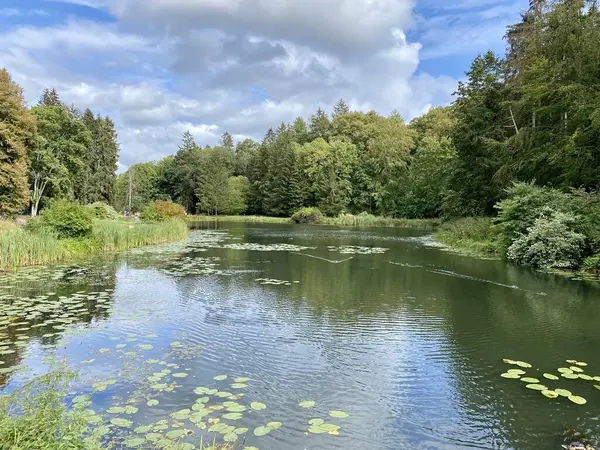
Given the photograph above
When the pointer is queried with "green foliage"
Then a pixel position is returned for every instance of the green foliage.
(102, 210)
(137, 187)
(18, 135)
(19, 247)
(161, 210)
(307, 215)
(118, 235)
(524, 204)
(549, 243)
(474, 235)
(237, 193)
(67, 219)
(591, 265)
(35, 418)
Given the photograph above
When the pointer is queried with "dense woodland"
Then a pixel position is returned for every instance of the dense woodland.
(531, 115)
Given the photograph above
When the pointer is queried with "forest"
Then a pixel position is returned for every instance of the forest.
(524, 128)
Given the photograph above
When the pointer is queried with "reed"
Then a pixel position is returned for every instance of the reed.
(23, 248)
(114, 235)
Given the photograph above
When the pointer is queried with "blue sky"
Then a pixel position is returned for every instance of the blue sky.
(160, 67)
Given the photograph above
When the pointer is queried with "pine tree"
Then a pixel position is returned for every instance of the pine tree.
(320, 127)
(227, 141)
(340, 109)
(18, 134)
(300, 130)
(49, 98)
(188, 143)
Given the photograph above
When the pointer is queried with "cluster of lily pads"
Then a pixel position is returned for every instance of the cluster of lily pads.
(267, 247)
(276, 282)
(574, 372)
(356, 250)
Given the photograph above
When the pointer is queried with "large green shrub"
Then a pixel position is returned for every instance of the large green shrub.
(66, 219)
(102, 210)
(162, 210)
(307, 215)
(525, 203)
(550, 243)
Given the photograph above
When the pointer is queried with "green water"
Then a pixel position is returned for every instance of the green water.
(405, 338)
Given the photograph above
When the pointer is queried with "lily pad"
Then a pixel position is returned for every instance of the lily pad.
(307, 404)
(236, 408)
(550, 394)
(152, 402)
(339, 414)
(550, 376)
(563, 392)
(239, 385)
(241, 380)
(572, 361)
(123, 423)
(232, 416)
(530, 380)
(517, 371)
(580, 363)
(565, 370)
(180, 375)
(230, 437)
(524, 365)
(143, 429)
(570, 376)
(258, 406)
(576, 369)
(577, 400)
(316, 422)
(585, 377)
(134, 442)
(510, 375)
(274, 425)
(597, 386)
(261, 431)
(175, 434)
(536, 387)
(240, 430)
(220, 377)
(115, 410)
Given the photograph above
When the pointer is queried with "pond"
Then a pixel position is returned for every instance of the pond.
(237, 330)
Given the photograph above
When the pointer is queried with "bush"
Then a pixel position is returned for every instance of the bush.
(101, 210)
(307, 215)
(591, 264)
(471, 234)
(66, 219)
(523, 206)
(162, 210)
(550, 243)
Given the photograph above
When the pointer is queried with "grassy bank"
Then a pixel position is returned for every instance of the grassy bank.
(344, 220)
(20, 247)
(472, 236)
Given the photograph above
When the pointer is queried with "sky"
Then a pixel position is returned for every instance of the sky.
(161, 67)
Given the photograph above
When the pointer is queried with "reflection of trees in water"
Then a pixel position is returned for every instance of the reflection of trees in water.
(34, 308)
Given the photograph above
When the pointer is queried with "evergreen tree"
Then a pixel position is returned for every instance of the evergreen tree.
(188, 143)
(340, 109)
(49, 98)
(320, 126)
(227, 141)
(300, 129)
(18, 134)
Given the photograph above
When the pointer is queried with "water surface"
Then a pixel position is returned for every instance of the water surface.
(404, 337)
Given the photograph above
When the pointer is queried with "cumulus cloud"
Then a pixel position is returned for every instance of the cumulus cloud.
(236, 65)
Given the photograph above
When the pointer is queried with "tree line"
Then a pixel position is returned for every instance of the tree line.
(532, 114)
(52, 151)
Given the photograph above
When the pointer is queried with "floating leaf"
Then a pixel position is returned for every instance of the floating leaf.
(230, 437)
(201, 390)
(250, 448)
(152, 402)
(134, 442)
(242, 380)
(509, 361)
(339, 414)
(570, 376)
(316, 422)
(530, 380)
(143, 429)
(115, 410)
(572, 361)
(236, 408)
(549, 394)
(129, 409)
(524, 365)
(257, 406)
(310, 403)
(175, 434)
(239, 385)
(585, 377)
(220, 377)
(222, 394)
(550, 376)
(580, 363)
(517, 371)
(597, 387)
(514, 376)
(261, 431)
(274, 425)
(180, 375)
(536, 387)
(576, 369)
(124, 423)
(565, 370)
(232, 416)
(563, 392)
(577, 400)
(240, 430)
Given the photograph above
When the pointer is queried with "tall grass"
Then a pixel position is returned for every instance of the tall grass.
(472, 235)
(20, 247)
(23, 248)
(35, 418)
(369, 220)
(114, 236)
(247, 219)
